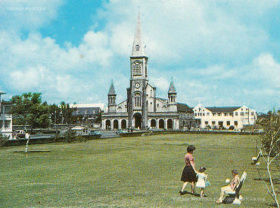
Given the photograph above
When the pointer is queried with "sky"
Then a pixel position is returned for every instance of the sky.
(218, 52)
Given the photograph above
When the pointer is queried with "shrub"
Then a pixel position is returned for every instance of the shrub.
(231, 128)
(215, 128)
(69, 136)
(3, 139)
(80, 138)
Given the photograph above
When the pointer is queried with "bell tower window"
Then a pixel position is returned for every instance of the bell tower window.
(137, 68)
(137, 47)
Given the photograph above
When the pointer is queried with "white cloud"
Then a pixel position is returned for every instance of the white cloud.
(267, 69)
(161, 83)
(27, 14)
(179, 31)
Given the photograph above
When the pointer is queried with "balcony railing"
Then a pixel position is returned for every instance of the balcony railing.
(6, 130)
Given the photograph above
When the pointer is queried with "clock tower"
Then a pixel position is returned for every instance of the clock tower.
(136, 94)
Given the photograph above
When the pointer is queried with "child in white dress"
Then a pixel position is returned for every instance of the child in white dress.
(201, 180)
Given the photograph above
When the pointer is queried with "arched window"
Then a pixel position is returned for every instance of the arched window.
(137, 100)
(137, 47)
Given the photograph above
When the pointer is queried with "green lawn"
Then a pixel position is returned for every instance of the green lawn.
(126, 172)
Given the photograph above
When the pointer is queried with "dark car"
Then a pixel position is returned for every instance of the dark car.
(19, 133)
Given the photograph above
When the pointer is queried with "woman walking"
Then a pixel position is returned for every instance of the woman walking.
(189, 172)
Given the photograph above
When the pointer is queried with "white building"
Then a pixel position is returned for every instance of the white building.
(5, 118)
(143, 109)
(224, 117)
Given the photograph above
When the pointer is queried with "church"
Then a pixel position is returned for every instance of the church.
(142, 109)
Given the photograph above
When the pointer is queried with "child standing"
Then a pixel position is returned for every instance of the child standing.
(201, 179)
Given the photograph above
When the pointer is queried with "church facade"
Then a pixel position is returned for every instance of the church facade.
(142, 109)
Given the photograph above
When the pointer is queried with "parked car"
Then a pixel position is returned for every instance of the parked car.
(19, 134)
(93, 132)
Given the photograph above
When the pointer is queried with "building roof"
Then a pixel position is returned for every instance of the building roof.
(88, 106)
(223, 109)
(112, 89)
(162, 99)
(172, 88)
(138, 47)
(181, 107)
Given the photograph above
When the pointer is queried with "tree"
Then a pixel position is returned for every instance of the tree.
(28, 109)
(66, 113)
(55, 114)
(98, 117)
(270, 145)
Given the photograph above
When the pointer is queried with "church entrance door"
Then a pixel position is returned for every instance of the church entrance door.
(108, 124)
(153, 123)
(116, 124)
(161, 124)
(138, 120)
(123, 124)
(169, 124)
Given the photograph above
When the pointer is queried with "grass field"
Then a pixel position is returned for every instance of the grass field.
(126, 172)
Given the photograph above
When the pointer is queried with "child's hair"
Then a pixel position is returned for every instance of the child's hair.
(235, 171)
(202, 169)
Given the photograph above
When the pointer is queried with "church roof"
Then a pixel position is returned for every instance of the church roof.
(162, 99)
(182, 107)
(138, 47)
(172, 88)
(223, 109)
(112, 90)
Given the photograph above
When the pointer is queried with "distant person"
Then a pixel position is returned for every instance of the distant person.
(189, 172)
(27, 136)
(229, 188)
(202, 181)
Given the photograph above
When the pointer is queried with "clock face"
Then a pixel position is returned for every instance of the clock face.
(137, 85)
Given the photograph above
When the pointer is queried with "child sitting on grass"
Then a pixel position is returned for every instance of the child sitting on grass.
(202, 181)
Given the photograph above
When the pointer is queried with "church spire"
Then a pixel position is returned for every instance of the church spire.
(112, 89)
(138, 47)
(171, 87)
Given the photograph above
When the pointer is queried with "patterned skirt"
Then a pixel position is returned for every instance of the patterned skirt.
(188, 175)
